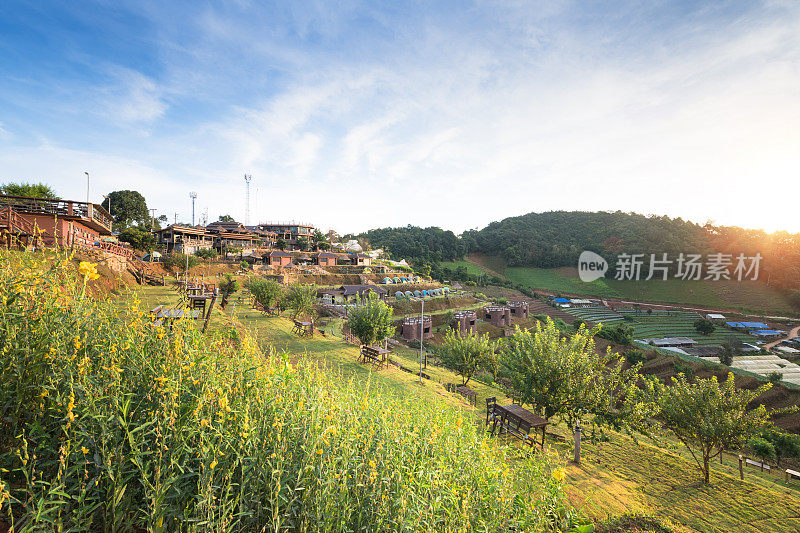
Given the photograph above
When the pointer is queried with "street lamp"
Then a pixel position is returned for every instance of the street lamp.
(193, 196)
(108, 197)
(87, 188)
(421, 333)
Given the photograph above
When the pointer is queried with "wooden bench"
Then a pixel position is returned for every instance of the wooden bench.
(517, 421)
(304, 329)
(789, 475)
(376, 356)
(466, 392)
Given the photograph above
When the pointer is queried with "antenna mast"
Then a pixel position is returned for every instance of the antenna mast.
(247, 178)
(193, 196)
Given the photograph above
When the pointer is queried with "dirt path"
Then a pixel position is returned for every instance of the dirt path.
(792, 334)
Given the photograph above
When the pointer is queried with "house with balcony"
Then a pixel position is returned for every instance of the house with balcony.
(290, 233)
(232, 237)
(40, 221)
(184, 239)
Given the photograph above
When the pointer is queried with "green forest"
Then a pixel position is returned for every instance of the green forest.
(556, 239)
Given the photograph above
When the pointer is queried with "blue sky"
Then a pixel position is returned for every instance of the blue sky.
(354, 115)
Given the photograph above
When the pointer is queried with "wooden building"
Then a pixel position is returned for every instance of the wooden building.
(184, 239)
(232, 236)
(289, 233)
(39, 221)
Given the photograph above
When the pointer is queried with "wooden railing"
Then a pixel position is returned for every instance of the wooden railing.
(64, 208)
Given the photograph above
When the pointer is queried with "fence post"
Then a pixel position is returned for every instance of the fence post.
(741, 468)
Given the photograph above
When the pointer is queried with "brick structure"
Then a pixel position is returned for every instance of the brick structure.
(465, 322)
(415, 326)
(277, 258)
(497, 315)
(325, 259)
(519, 310)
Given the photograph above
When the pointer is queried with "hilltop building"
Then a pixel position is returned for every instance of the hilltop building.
(65, 223)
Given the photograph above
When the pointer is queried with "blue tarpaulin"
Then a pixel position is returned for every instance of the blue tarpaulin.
(561, 300)
(747, 325)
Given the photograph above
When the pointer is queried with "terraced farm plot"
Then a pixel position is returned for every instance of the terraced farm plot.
(596, 314)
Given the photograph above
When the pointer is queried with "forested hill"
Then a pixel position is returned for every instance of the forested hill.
(419, 244)
(556, 238)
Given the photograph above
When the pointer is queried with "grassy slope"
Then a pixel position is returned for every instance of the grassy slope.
(747, 296)
(614, 477)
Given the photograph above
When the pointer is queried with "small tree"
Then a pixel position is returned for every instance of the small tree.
(467, 353)
(762, 448)
(266, 292)
(227, 287)
(226, 218)
(32, 190)
(709, 417)
(704, 326)
(371, 322)
(784, 444)
(566, 378)
(206, 253)
(302, 243)
(302, 300)
(280, 244)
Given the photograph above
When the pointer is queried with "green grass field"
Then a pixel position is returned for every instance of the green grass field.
(472, 269)
(615, 476)
(754, 297)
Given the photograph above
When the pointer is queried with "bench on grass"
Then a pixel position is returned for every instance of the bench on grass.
(790, 475)
(463, 390)
(303, 329)
(375, 356)
(515, 420)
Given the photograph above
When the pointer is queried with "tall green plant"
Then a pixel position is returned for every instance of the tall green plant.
(227, 287)
(467, 353)
(266, 292)
(709, 417)
(301, 299)
(567, 379)
(371, 322)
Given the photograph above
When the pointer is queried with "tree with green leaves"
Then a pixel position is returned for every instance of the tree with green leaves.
(128, 208)
(730, 349)
(784, 444)
(227, 287)
(762, 448)
(704, 326)
(320, 240)
(302, 243)
(709, 417)
(226, 218)
(280, 244)
(140, 239)
(301, 299)
(466, 353)
(32, 190)
(267, 292)
(567, 379)
(371, 322)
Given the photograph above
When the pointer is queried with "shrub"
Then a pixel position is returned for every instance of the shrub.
(372, 322)
(466, 354)
(106, 422)
(619, 333)
(206, 253)
(635, 357)
(178, 262)
(775, 377)
(267, 293)
(682, 367)
(704, 326)
(501, 301)
(577, 323)
(302, 300)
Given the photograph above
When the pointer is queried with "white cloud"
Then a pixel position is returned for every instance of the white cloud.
(132, 97)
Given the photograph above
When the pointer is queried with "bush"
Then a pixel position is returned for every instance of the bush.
(501, 301)
(108, 423)
(577, 323)
(178, 262)
(775, 377)
(635, 357)
(206, 253)
(267, 293)
(619, 333)
(682, 367)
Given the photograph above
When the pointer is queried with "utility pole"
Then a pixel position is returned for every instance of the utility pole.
(175, 219)
(247, 179)
(108, 197)
(152, 219)
(193, 196)
(87, 188)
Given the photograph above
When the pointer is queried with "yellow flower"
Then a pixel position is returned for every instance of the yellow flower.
(88, 270)
(213, 464)
(85, 450)
(559, 474)
(204, 422)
